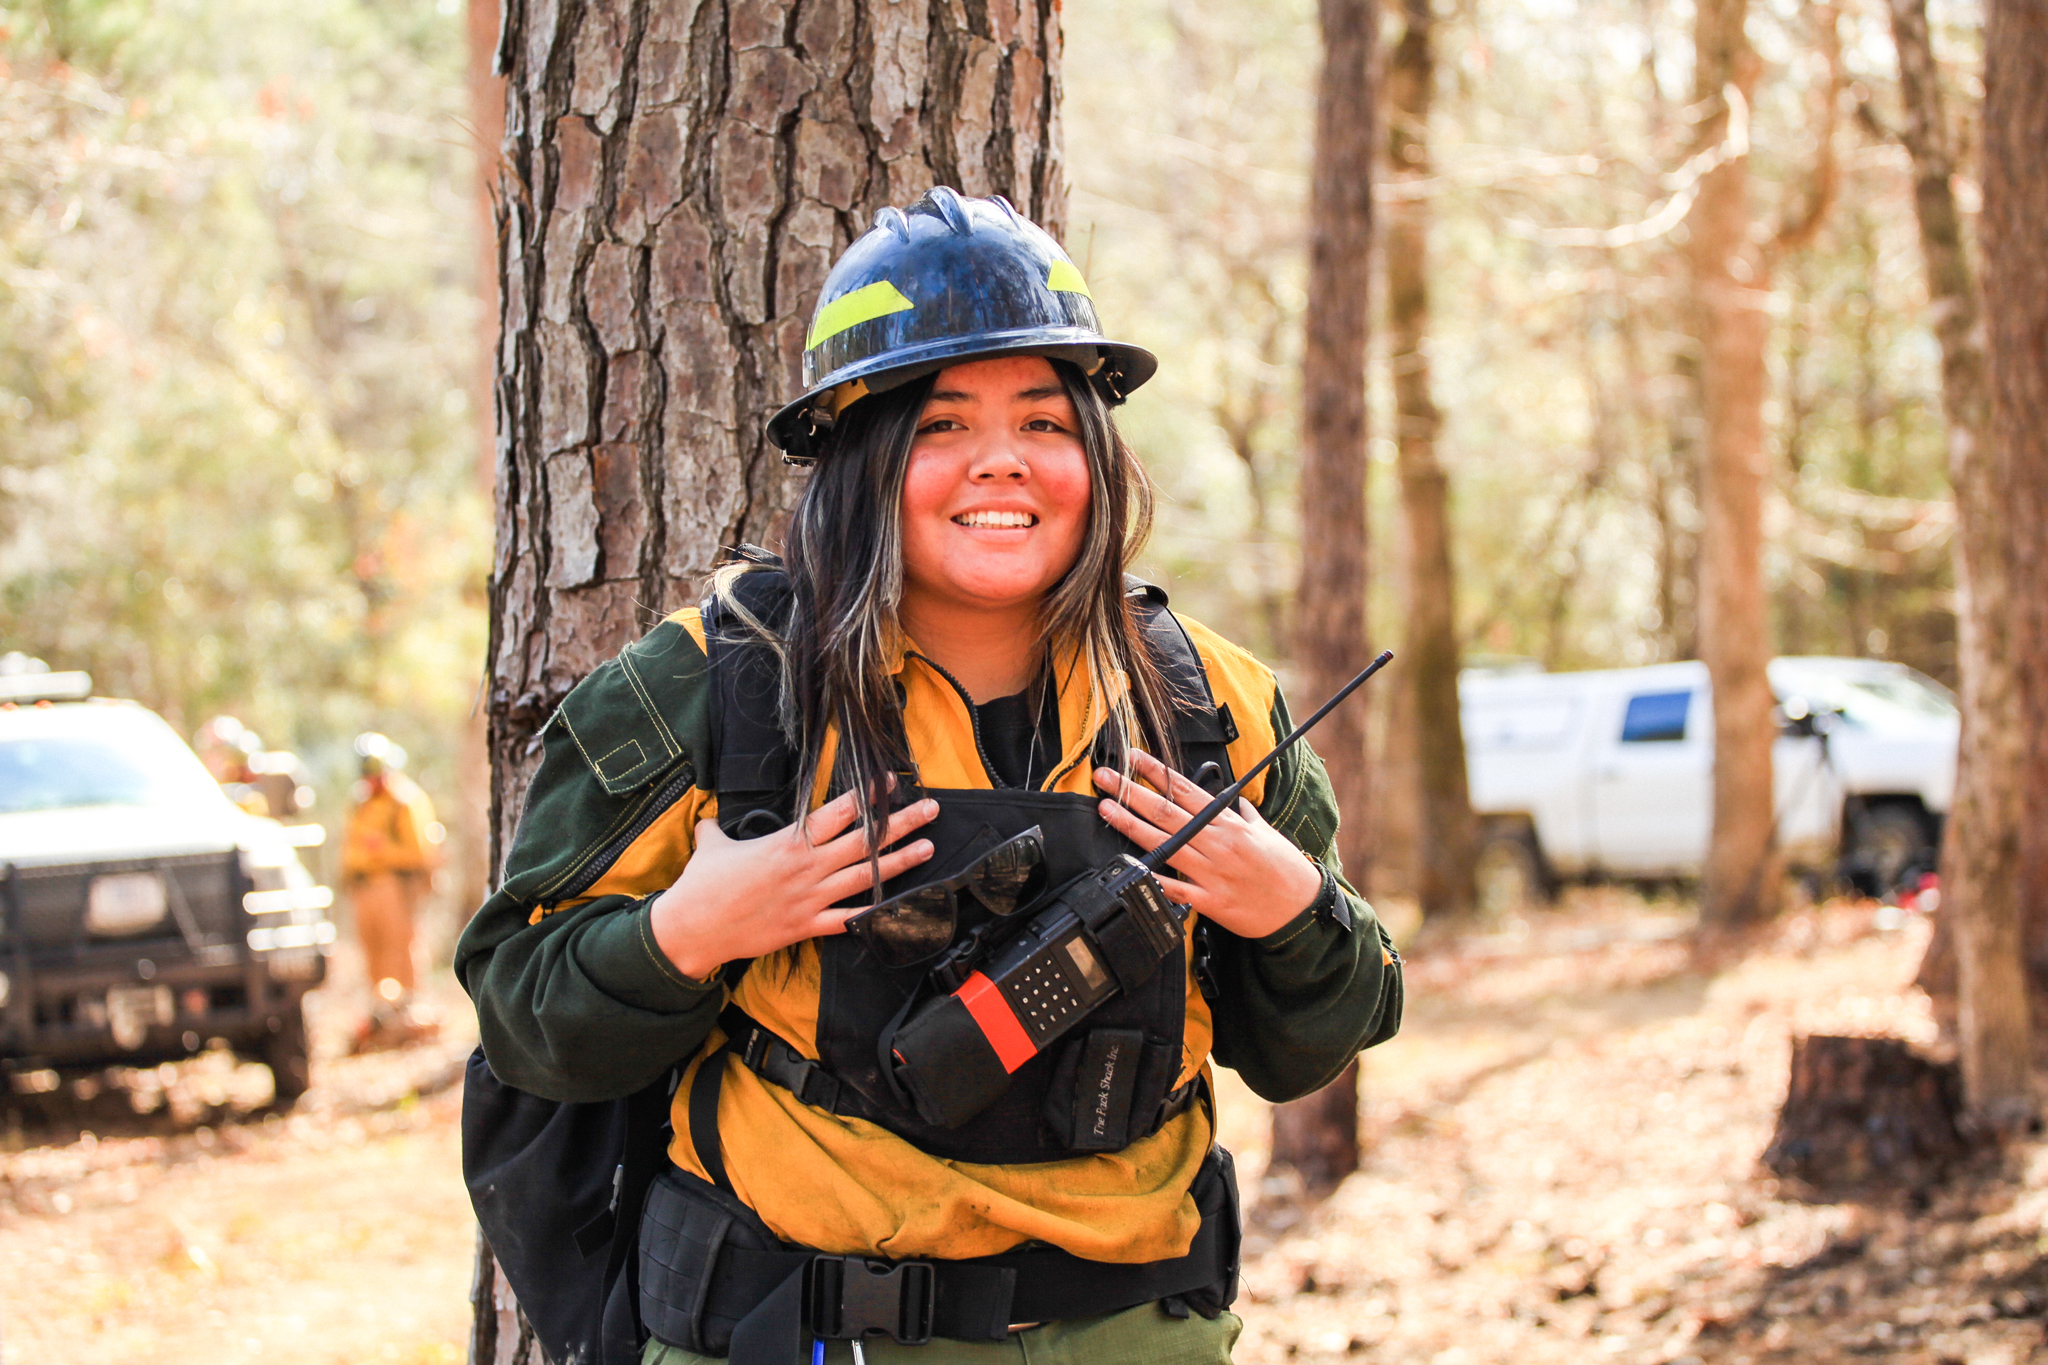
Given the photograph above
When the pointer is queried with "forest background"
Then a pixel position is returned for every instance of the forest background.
(240, 374)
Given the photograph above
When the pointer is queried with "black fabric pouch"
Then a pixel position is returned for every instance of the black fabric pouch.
(1109, 1089)
(686, 1225)
(1088, 1103)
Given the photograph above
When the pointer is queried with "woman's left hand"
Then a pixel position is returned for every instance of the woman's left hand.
(1240, 871)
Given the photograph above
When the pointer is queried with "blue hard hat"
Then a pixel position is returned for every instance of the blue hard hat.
(947, 279)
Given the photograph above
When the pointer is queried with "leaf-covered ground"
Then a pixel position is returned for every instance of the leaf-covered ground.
(1561, 1166)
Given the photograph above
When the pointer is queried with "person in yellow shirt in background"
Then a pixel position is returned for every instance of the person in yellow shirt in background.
(388, 855)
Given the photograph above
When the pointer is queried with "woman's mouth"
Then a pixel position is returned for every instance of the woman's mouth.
(996, 521)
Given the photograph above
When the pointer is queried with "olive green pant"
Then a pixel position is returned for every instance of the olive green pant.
(1144, 1335)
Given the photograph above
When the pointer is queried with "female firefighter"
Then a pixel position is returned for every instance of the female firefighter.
(885, 1143)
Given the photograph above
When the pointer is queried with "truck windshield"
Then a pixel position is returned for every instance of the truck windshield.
(1905, 700)
(60, 772)
(1922, 696)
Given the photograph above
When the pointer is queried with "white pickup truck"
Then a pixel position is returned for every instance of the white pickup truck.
(1578, 776)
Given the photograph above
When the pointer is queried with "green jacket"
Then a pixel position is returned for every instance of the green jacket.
(576, 1003)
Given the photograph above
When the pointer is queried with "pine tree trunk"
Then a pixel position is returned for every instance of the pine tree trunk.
(2013, 478)
(677, 180)
(1445, 828)
(1731, 297)
(1980, 854)
(1321, 1137)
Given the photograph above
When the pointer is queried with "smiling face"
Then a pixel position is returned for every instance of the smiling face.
(996, 496)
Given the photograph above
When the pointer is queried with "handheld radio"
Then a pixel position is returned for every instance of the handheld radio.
(1104, 932)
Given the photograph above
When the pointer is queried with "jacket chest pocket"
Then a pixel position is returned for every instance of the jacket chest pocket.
(617, 718)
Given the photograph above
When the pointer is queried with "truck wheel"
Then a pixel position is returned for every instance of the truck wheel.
(1508, 872)
(289, 1056)
(1886, 843)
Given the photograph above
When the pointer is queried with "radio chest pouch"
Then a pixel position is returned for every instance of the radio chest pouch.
(1110, 1079)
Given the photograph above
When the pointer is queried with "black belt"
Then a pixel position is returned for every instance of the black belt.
(778, 1297)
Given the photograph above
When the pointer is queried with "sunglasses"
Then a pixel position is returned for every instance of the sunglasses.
(919, 923)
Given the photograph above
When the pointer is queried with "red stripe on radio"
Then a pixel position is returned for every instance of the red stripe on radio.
(998, 1022)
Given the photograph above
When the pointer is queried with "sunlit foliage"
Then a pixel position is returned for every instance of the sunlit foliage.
(237, 450)
(1564, 366)
(237, 460)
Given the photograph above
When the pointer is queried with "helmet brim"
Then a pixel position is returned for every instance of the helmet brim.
(1115, 367)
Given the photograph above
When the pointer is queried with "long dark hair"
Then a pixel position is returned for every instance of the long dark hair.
(844, 558)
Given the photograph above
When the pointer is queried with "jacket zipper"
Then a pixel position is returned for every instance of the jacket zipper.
(973, 724)
(662, 799)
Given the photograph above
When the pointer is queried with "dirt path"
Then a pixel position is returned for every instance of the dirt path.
(205, 1231)
(1562, 1167)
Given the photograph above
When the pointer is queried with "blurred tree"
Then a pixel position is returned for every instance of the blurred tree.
(1732, 268)
(1732, 303)
(1980, 866)
(2021, 424)
(676, 187)
(1444, 827)
(1318, 1135)
(2002, 504)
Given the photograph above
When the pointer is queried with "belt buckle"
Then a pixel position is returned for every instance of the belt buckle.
(848, 1297)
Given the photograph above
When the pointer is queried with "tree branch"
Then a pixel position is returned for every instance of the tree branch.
(1823, 185)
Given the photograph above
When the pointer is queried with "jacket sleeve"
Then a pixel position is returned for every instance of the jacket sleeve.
(1295, 1007)
(574, 1000)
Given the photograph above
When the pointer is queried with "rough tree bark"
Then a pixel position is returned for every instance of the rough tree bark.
(1980, 852)
(677, 179)
(1318, 1135)
(1445, 829)
(1731, 301)
(1989, 949)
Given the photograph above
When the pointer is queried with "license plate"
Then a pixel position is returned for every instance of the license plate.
(132, 1010)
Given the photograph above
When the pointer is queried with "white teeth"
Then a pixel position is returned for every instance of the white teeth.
(996, 520)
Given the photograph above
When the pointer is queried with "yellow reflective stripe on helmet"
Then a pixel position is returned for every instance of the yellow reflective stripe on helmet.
(1066, 279)
(864, 304)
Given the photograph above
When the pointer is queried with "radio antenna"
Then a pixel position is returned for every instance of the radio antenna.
(1227, 798)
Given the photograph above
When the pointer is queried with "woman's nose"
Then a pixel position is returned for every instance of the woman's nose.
(998, 458)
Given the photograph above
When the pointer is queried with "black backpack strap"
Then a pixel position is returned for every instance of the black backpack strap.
(753, 763)
(1203, 729)
(705, 1088)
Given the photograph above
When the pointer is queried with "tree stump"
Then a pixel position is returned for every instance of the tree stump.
(1867, 1112)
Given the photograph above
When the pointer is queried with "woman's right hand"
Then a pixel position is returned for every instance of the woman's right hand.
(740, 898)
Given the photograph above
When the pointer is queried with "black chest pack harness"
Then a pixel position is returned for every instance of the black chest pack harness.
(712, 1279)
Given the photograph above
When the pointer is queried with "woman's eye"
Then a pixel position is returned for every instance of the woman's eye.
(1043, 424)
(940, 424)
